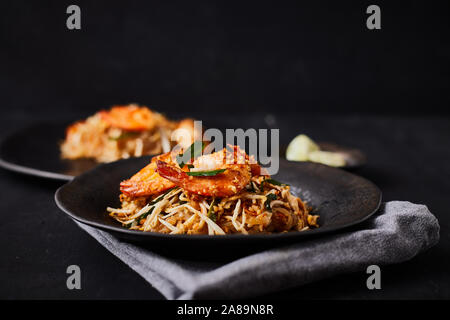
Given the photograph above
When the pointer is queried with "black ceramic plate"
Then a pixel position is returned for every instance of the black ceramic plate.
(342, 199)
(35, 151)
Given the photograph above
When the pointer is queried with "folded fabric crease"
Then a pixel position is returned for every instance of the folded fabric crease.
(398, 232)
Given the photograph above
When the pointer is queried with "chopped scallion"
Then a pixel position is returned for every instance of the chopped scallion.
(205, 173)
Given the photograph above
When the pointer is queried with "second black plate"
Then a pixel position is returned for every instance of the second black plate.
(35, 151)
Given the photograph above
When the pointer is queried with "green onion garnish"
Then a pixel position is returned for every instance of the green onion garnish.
(129, 225)
(211, 214)
(152, 203)
(272, 181)
(161, 196)
(275, 182)
(205, 173)
(270, 197)
(144, 215)
(194, 151)
(251, 188)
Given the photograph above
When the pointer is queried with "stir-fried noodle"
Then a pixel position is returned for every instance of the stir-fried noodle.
(229, 198)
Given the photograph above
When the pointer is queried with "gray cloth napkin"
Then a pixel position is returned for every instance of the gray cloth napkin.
(397, 233)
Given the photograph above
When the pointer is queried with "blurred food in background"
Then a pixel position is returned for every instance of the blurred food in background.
(123, 132)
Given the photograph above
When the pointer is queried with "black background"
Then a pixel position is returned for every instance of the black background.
(312, 56)
(313, 65)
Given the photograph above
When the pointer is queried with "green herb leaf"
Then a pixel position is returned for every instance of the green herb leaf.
(205, 173)
(251, 188)
(270, 198)
(144, 215)
(211, 214)
(275, 182)
(131, 224)
(161, 196)
(194, 151)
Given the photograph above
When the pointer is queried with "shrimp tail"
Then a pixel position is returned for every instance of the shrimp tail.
(129, 187)
(147, 181)
(169, 172)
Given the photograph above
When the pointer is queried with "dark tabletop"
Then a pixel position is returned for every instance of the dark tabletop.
(408, 159)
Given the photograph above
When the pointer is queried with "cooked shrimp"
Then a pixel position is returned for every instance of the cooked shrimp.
(239, 156)
(231, 181)
(131, 118)
(225, 184)
(147, 181)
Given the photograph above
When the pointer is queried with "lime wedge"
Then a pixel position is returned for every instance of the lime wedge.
(300, 147)
(332, 159)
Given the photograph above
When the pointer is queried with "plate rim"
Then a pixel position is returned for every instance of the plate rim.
(34, 172)
(257, 237)
(7, 165)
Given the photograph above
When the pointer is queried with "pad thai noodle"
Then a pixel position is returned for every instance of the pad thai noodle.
(219, 193)
(123, 132)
